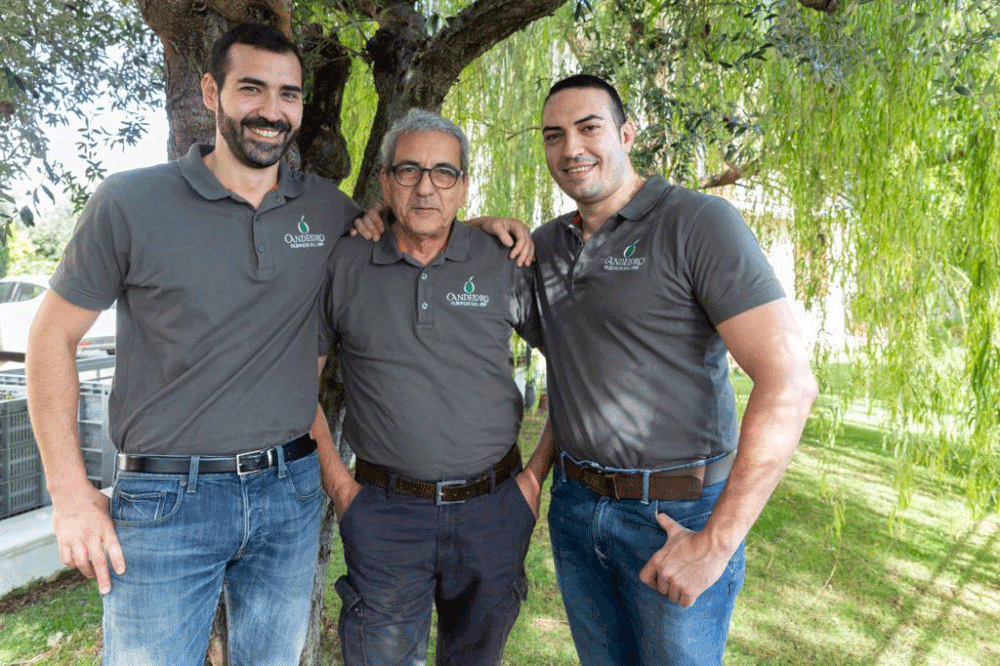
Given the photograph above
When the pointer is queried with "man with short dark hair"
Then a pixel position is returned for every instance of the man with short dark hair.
(642, 291)
(215, 261)
(436, 514)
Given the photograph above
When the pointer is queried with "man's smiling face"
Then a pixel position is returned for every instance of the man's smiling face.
(259, 108)
(585, 150)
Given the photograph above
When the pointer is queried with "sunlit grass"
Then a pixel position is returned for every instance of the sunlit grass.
(912, 586)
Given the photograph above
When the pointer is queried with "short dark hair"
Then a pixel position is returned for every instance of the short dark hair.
(257, 35)
(591, 81)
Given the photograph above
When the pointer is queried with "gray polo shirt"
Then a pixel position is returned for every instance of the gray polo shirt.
(425, 352)
(216, 341)
(637, 373)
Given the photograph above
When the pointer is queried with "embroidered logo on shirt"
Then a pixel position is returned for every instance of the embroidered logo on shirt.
(628, 260)
(304, 238)
(469, 297)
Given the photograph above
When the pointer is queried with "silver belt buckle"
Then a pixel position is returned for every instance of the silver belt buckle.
(440, 485)
(251, 457)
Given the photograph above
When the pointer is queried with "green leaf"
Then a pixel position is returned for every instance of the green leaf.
(27, 217)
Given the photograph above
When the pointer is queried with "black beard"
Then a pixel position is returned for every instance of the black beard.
(245, 149)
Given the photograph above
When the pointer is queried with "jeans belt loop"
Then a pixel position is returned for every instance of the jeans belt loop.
(193, 474)
(282, 467)
(390, 487)
(562, 464)
(645, 486)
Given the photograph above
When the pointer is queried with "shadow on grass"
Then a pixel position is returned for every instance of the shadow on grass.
(875, 595)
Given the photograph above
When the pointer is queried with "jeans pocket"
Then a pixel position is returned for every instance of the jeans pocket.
(304, 477)
(139, 502)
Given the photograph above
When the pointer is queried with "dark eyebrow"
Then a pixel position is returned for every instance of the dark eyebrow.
(556, 128)
(262, 84)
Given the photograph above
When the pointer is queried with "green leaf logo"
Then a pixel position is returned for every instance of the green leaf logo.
(469, 287)
(630, 250)
(303, 227)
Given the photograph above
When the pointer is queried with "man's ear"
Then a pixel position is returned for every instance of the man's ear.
(210, 92)
(383, 180)
(628, 132)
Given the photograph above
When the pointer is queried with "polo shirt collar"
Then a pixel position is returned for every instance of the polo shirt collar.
(205, 183)
(644, 200)
(639, 206)
(458, 248)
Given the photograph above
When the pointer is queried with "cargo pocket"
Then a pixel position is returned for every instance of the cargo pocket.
(351, 625)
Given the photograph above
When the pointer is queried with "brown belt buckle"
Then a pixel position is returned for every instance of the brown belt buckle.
(593, 481)
(617, 482)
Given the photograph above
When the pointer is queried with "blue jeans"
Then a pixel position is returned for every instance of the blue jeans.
(599, 545)
(406, 554)
(186, 538)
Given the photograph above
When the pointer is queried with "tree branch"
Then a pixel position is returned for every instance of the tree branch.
(828, 6)
(473, 32)
(729, 176)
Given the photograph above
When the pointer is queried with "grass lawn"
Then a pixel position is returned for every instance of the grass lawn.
(925, 592)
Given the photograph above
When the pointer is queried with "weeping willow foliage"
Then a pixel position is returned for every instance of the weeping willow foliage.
(869, 139)
(498, 102)
(875, 129)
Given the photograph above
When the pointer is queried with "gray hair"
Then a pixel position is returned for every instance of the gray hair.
(422, 120)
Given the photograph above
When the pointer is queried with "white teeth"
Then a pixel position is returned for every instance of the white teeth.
(268, 133)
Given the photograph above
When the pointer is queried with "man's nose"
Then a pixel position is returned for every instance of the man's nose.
(270, 107)
(572, 145)
(424, 186)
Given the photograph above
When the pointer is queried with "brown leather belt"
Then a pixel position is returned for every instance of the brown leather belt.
(442, 492)
(677, 484)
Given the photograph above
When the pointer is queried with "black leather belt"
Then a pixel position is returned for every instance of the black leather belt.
(677, 484)
(244, 463)
(442, 492)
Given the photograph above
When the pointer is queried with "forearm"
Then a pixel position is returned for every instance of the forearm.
(334, 470)
(770, 431)
(53, 388)
(544, 455)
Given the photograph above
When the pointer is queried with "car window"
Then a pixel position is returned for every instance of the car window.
(7, 291)
(27, 291)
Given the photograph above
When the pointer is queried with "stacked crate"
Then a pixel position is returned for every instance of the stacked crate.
(22, 484)
(22, 481)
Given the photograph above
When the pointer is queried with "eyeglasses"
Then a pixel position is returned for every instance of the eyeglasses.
(409, 175)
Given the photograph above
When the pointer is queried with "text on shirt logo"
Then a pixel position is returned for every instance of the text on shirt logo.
(627, 262)
(468, 297)
(304, 238)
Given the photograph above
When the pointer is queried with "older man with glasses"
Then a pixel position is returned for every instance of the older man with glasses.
(435, 512)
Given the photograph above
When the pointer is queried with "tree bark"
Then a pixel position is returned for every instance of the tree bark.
(413, 70)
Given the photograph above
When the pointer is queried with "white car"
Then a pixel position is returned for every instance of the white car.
(20, 297)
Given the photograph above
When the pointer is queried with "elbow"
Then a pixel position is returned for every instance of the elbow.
(807, 388)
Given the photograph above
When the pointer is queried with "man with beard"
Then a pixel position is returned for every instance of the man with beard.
(215, 261)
